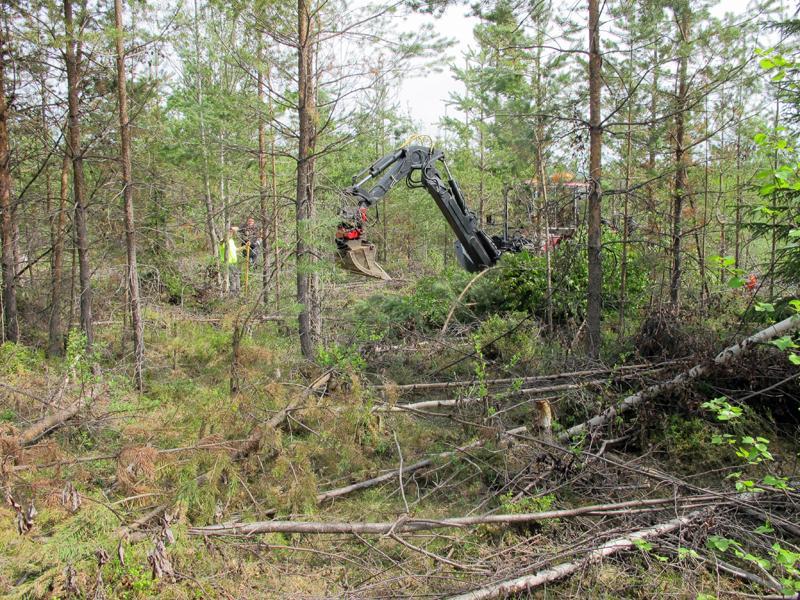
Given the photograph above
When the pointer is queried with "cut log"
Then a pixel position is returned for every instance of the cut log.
(52, 421)
(533, 391)
(505, 589)
(443, 385)
(723, 358)
(427, 404)
(403, 525)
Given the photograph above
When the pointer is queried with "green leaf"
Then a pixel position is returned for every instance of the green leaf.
(764, 307)
(794, 359)
(766, 64)
(735, 282)
(784, 343)
(780, 483)
(766, 190)
(720, 543)
(765, 528)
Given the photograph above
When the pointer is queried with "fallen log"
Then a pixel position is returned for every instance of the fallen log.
(724, 357)
(529, 582)
(442, 385)
(426, 404)
(50, 422)
(411, 524)
(532, 391)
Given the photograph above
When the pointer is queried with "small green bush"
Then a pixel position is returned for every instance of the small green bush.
(423, 310)
(520, 284)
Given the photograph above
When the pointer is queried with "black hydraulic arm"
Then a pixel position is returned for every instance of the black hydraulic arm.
(474, 249)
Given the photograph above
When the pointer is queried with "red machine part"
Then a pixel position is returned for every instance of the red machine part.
(354, 231)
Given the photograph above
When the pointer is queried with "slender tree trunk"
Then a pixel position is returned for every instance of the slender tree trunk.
(276, 257)
(681, 155)
(653, 225)
(263, 191)
(127, 194)
(81, 228)
(631, 93)
(594, 296)
(774, 232)
(721, 204)
(481, 168)
(625, 215)
(738, 214)
(223, 181)
(307, 278)
(701, 243)
(11, 326)
(213, 236)
(55, 338)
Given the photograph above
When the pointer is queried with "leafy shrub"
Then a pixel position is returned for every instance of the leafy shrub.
(520, 285)
(16, 359)
(341, 358)
(512, 339)
(423, 310)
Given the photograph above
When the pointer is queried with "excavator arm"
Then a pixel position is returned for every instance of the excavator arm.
(475, 250)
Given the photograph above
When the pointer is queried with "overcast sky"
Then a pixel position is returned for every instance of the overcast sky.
(424, 97)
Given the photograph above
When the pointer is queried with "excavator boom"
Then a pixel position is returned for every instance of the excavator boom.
(475, 250)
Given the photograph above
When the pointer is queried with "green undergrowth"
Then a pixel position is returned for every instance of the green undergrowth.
(187, 410)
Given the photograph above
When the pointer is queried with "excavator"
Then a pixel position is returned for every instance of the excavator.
(475, 249)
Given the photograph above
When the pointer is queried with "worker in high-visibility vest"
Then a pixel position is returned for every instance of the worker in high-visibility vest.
(229, 257)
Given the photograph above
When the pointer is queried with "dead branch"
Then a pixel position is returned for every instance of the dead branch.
(723, 358)
(253, 442)
(389, 475)
(458, 300)
(529, 582)
(410, 524)
(742, 501)
(436, 557)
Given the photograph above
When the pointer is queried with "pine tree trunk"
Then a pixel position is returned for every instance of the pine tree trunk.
(680, 161)
(127, 194)
(307, 278)
(276, 258)
(263, 191)
(594, 296)
(738, 217)
(55, 338)
(626, 205)
(10, 324)
(81, 228)
(213, 237)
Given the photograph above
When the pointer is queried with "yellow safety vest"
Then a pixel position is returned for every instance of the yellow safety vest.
(230, 257)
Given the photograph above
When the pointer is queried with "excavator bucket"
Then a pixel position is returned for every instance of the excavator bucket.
(358, 256)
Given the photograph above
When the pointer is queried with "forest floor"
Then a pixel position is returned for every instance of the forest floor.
(335, 480)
